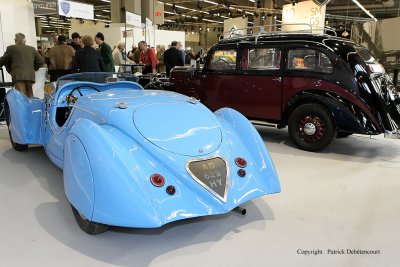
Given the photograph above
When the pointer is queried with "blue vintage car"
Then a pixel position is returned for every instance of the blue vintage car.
(141, 158)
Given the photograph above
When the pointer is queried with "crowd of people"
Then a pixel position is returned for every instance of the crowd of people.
(79, 55)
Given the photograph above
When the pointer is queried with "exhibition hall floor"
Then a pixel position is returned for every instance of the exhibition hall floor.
(346, 197)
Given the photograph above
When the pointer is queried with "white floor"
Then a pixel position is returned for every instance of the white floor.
(347, 197)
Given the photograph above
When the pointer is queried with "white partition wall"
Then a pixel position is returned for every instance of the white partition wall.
(166, 37)
(16, 16)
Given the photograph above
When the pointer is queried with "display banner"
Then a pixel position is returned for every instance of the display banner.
(44, 7)
(133, 19)
(304, 16)
(75, 10)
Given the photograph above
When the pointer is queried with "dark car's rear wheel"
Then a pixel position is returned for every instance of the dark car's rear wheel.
(90, 227)
(16, 146)
(311, 128)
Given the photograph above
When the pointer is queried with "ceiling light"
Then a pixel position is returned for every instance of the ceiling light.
(210, 20)
(107, 1)
(210, 2)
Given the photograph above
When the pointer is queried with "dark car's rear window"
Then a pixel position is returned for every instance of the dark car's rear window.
(365, 55)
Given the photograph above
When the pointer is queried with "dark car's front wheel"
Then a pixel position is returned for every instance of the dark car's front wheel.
(90, 227)
(311, 128)
(16, 146)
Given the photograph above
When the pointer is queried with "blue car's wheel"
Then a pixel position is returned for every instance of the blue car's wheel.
(16, 146)
(92, 228)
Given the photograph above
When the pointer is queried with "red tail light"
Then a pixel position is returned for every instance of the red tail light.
(170, 190)
(241, 162)
(157, 180)
(241, 173)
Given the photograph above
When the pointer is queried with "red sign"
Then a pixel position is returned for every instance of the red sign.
(158, 13)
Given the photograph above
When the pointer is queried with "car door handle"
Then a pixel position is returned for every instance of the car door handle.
(278, 79)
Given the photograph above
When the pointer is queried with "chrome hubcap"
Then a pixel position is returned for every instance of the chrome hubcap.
(309, 128)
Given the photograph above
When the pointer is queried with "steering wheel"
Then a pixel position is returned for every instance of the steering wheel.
(71, 99)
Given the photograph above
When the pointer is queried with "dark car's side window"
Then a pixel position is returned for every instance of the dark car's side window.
(261, 59)
(308, 60)
(223, 60)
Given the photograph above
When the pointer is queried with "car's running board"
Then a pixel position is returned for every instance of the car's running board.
(264, 123)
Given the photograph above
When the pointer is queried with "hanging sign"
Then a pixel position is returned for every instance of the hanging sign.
(133, 19)
(75, 10)
(304, 16)
(44, 7)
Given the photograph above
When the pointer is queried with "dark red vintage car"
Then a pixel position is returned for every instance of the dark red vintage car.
(320, 86)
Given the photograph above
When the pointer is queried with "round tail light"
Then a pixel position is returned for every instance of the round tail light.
(241, 173)
(157, 180)
(171, 190)
(241, 162)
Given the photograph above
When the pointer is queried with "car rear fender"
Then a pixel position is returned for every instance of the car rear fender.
(106, 176)
(346, 117)
(236, 126)
(26, 117)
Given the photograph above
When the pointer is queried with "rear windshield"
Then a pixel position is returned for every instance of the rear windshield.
(365, 55)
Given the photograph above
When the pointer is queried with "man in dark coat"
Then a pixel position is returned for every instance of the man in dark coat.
(105, 51)
(172, 57)
(76, 41)
(88, 59)
(21, 61)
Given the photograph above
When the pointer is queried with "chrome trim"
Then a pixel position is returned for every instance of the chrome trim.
(206, 186)
(121, 105)
(62, 128)
(90, 112)
(257, 122)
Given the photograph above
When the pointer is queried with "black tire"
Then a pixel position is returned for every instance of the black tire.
(311, 128)
(16, 146)
(90, 227)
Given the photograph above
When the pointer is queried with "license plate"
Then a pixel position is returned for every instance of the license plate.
(212, 174)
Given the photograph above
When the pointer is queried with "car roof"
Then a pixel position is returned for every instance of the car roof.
(339, 46)
(283, 36)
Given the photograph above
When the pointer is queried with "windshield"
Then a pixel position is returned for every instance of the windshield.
(96, 77)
